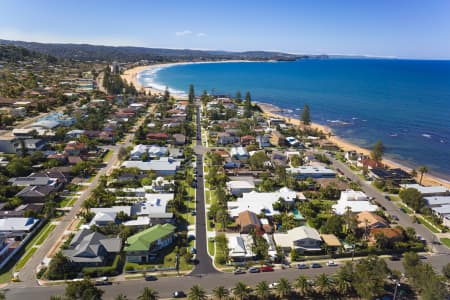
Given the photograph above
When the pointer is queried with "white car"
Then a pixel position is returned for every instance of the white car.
(273, 285)
(331, 263)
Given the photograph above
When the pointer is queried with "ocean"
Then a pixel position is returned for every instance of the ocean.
(404, 103)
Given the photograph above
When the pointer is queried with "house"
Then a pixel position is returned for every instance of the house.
(248, 140)
(397, 175)
(356, 201)
(302, 239)
(391, 234)
(89, 248)
(157, 136)
(238, 187)
(142, 246)
(17, 226)
(239, 153)
(154, 208)
(74, 148)
(240, 247)
(31, 145)
(76, 133)
(161, 185)
(303, 172)
(107, 215)
(224, 138)
(260, 202)
(163, 166)
(279, 158)
(248, 221)
(277, 139)
(263, 141)
(331, 241)
(369, 164)
(21, 210)
(292, 141)
(370, 220)
(34, 194)
(138, 151)
(428, 190)
(157, 151)
(179, 139)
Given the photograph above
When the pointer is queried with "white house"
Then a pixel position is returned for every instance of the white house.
(239, 153)
(162, 166)
(154, 207)
(428, 190)
(105, 215)
(138, 151)
(238, 187)
(161, 185)
(357, 201)
(303, 172)
(17, 226)
(301, 238)
(240, 246)
(260, 202)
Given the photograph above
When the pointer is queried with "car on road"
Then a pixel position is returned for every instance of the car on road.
(193, 250)
(394, 217)
(150, 278)
(238, 272)
(387, 198)
(193, 213)
(179, 294)
(395, 257)
(254, 270)
(315, 265)
(302, 266)
(266, 269)
(103, 281)
(331, 263)
(273, 285)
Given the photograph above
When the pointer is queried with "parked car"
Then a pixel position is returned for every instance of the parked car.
(273, 285)
(387, 198)
(179, 294)
(395, 257)
(394, 217)
(103, 281)
(254, 270)
(266, 269)
(238, 271)
(331, 263)
(193, 250)
(150, 278)
(315, 265)
(302, 266)
(193, 213)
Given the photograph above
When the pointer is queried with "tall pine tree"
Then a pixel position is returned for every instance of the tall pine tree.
(305, 117)
(191, 93)
(248, 105)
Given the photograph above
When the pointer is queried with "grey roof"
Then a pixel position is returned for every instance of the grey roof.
(25, 181)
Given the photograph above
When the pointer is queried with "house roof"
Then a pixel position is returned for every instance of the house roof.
(247, 218)
(389, 232)
(427, 190)
(162, 164)
(240, 184)
(141, 241)
(298, 233)
(331, 240)
(17, 224)
(373, 220)
(35, 191)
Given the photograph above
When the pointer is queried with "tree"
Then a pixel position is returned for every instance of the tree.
(191, 93)
(262, 290)
(2, 296)
(302, 285)
(248, 105)
(241, 291)
(121, 297)
(422, 170)
(324, 285)
(197, 293)
(122, 154)
(413, 198)
(369, 277)
(283, 289)
(220, 293)
(258, 160)
(344, 279)
(238, 96)
(148, 294)
(166, 96)
(377, 151)
(59, 267)
(82, 290)
(333, 225)
(306, 117)
(410, 260)
(296, 160)
(446, 270)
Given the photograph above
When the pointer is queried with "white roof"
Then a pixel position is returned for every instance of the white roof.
(428, 190)
(162, 164)
(356, 206)
(298, 233)
(240, 151)
(45, 124)
(240, 245)
(154, 204)
(17, 224)
(351, 195)
(240, 184)
(437, 200)
(140, 221)
(257, 202)
(139, 149)
(114, 209)
(311, 170)
(443, 210)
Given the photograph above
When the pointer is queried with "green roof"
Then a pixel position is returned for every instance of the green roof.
(141, 241)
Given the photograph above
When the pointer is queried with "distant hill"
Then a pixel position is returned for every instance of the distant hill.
(12, 53)
(88, 52)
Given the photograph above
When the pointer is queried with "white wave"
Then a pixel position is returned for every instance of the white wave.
(426, 135)
(148, 79)
(393, 134)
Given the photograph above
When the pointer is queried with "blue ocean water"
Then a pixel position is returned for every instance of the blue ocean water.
(405, 103)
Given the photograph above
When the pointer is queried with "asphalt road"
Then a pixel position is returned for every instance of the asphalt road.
(404, 219)
(166, 285)
(204, 263)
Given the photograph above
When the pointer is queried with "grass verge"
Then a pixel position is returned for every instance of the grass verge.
(44, 233)
(445, 241)
(25, 258)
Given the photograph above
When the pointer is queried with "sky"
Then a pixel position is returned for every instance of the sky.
(418, 29)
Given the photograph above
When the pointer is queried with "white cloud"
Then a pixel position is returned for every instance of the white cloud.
(200, 34)
(183, 33)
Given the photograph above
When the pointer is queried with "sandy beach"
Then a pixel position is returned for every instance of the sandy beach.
(131, 76)
(273, 111)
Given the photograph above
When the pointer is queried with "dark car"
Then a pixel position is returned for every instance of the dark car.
(396, 257)
(150, 278)
(387, 198)
(266, 269)
(179, 294)
(316, 265)
(302, 266)
(254, 270)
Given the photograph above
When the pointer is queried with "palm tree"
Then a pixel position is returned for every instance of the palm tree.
(283, 288)
(422, 170)
(241, 291)
(197, 293)
(323, 284)
(220, 293)
(302, 285)
(262, 290)
(121, 297)
(148, 294)
(343, 286)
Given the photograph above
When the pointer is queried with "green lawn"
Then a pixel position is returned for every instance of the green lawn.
(44, 233)
(211, 248)
(107, 156)
(208, 196)
(445, 241)
(427, 225)
(25, 258)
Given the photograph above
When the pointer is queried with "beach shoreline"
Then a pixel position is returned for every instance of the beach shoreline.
(271, 110)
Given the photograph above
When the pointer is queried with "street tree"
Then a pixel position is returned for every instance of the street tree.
(241, 291)
(422, 170)
(83, 290)
(413, 198)
(148, 294)
(197, 293)
(262, 290)
(191, 94)
(283, 288)
(220, 293)
(302, 286)
(377, 151)
(305, 116)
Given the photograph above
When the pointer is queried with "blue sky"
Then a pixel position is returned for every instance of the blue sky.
(397, 28)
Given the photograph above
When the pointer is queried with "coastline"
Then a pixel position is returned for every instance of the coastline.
(271, 110)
